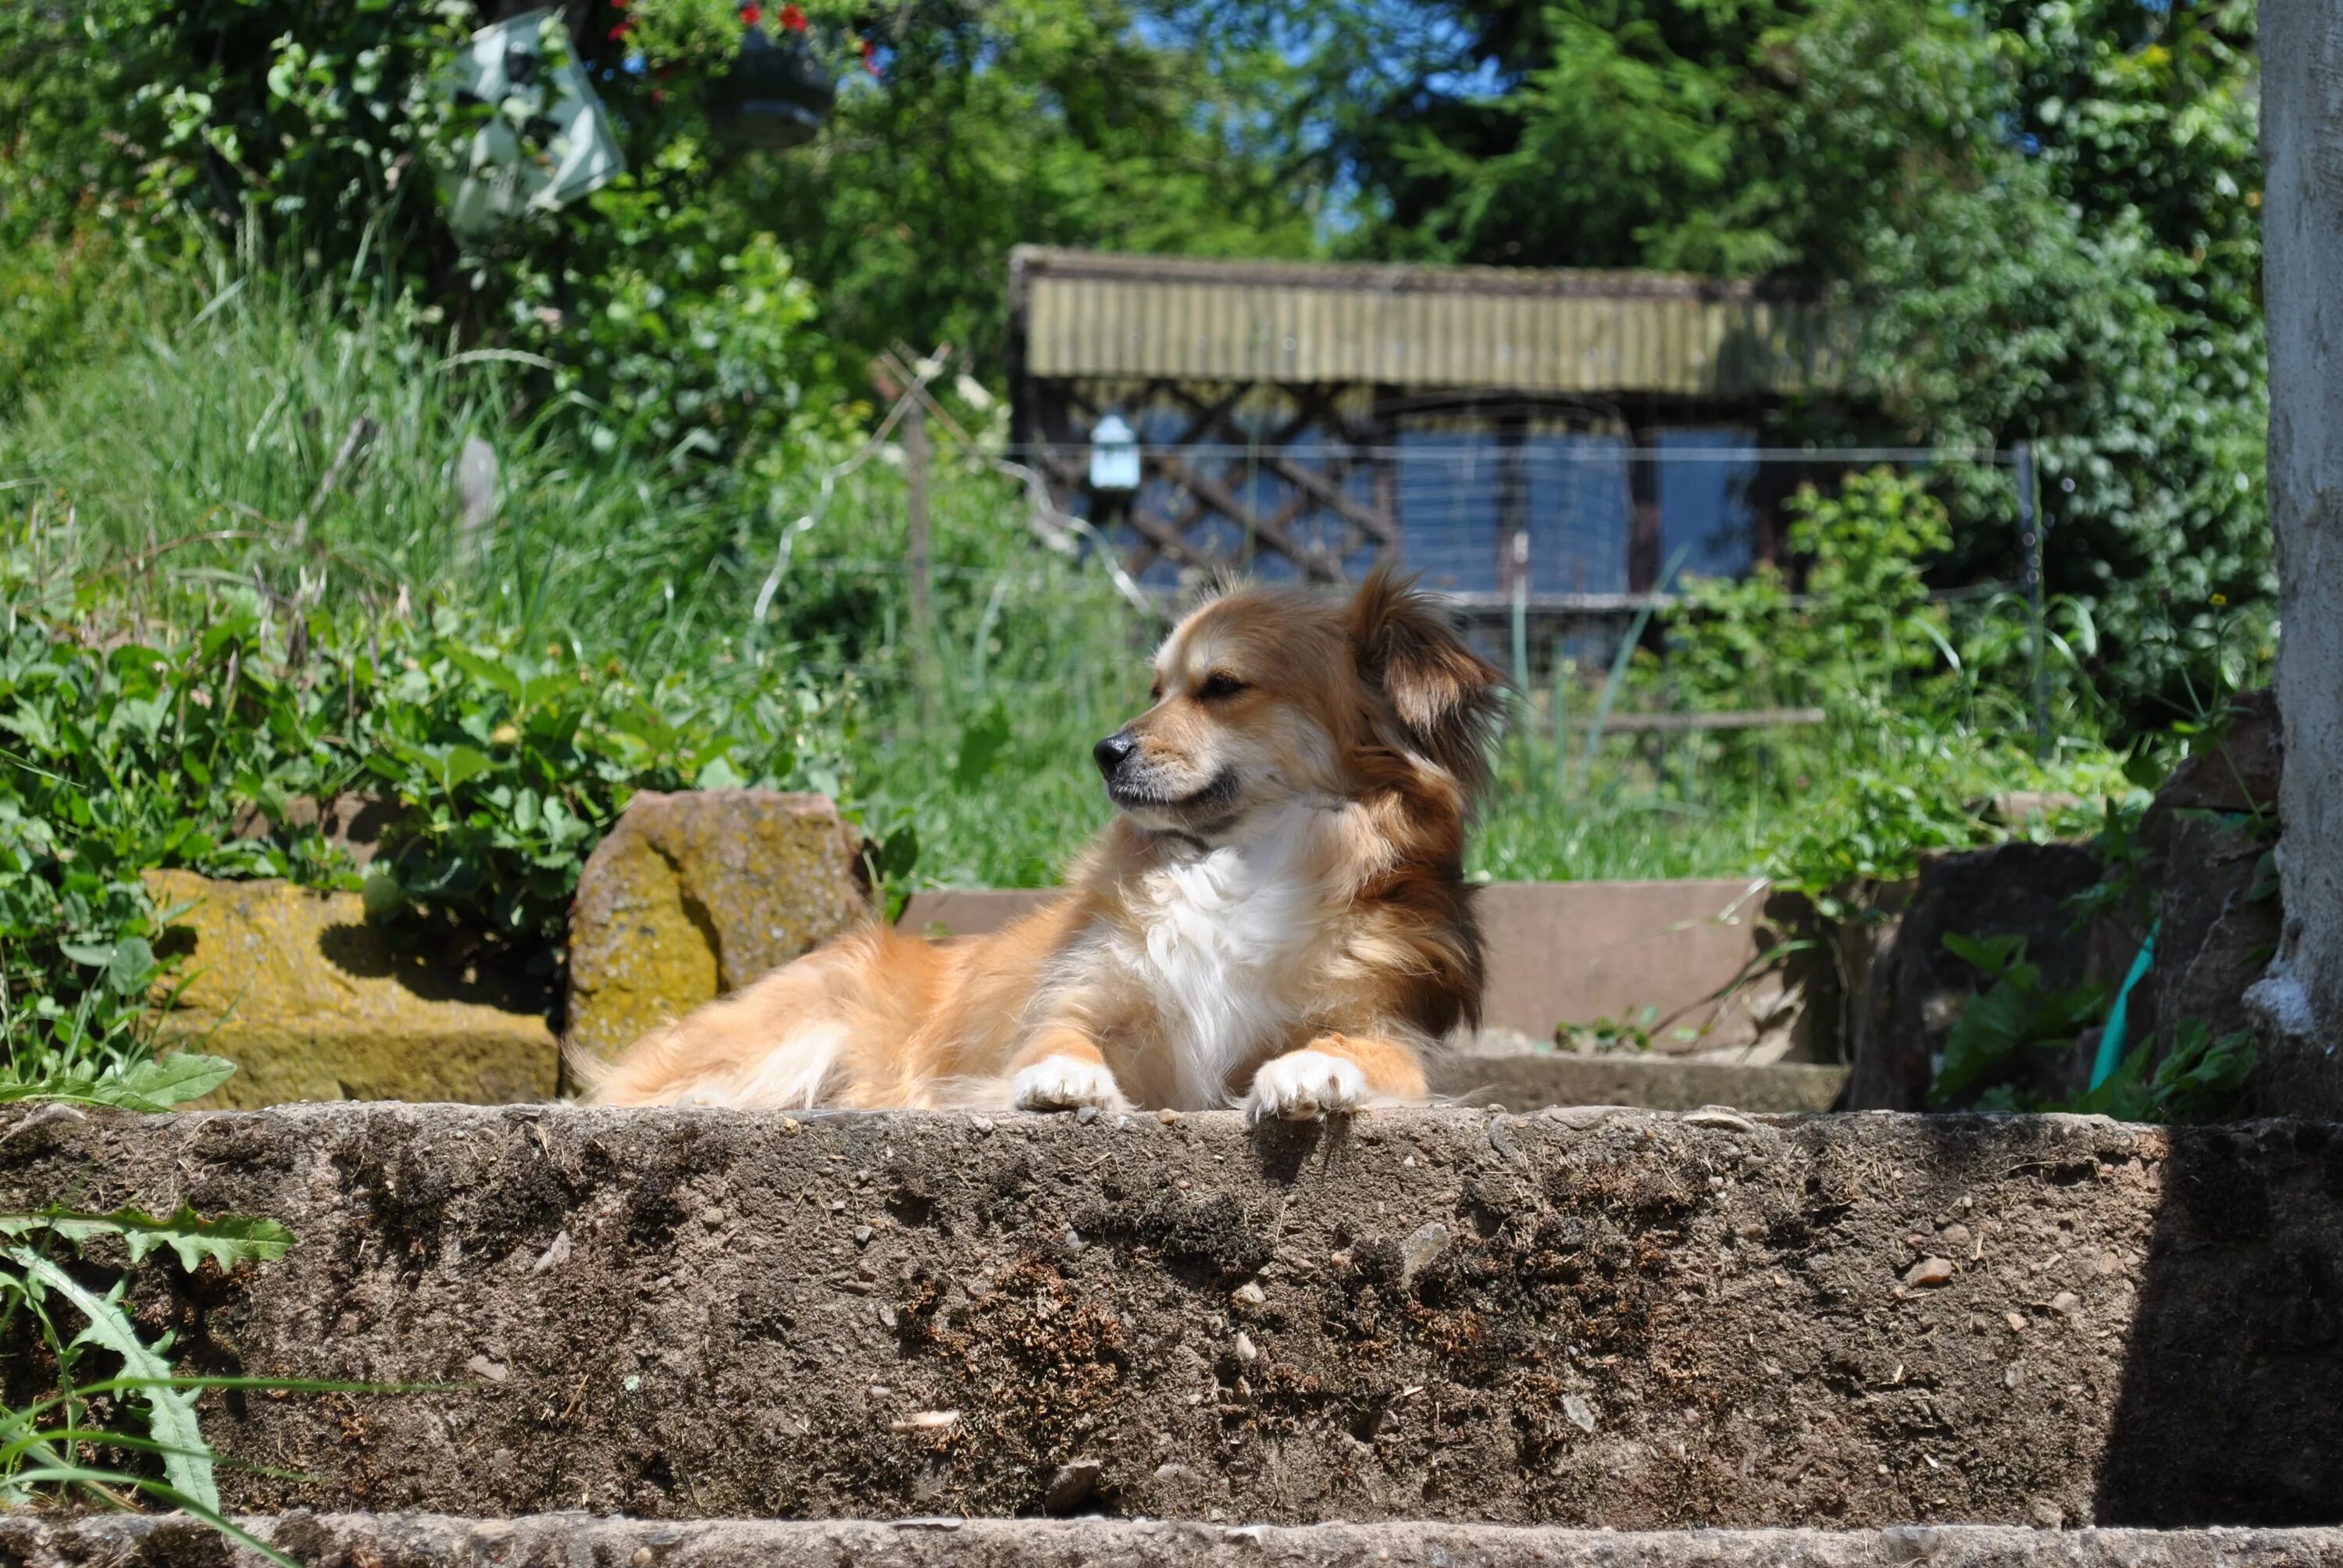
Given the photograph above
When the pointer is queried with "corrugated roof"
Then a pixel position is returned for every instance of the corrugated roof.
(1094, 315)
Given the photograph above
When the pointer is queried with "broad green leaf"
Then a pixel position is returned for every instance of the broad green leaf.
(133, 965)
(463, 763)
(176, 1078)
(486, 671)
(151, 1086)
(1989, 1028)
(1991, 954)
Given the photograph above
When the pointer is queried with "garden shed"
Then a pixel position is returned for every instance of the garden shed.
(1554, 435)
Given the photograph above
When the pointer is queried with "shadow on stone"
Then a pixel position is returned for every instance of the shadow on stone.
(1284, 1148)
(435, 965)
(2232, 1383)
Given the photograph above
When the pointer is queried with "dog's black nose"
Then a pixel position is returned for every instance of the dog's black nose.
(1113, 751)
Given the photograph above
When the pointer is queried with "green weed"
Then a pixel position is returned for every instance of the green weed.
(87, 1434)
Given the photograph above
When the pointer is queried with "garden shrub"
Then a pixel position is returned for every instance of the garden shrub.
(134, 741)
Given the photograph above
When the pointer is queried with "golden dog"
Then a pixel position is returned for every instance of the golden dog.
(1277, 915)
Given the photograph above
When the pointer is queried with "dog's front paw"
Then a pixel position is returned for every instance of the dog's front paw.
(1303, 1085)
(1066, 1083)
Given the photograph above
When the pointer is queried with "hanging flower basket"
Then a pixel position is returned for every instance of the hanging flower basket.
(777, 93)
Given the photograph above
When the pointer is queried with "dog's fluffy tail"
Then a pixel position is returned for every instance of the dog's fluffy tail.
(803, 1036)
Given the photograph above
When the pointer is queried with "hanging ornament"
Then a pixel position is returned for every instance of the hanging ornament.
(546, 141)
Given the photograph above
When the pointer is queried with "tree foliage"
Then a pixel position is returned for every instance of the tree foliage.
(1114, 125)
(2047, 215)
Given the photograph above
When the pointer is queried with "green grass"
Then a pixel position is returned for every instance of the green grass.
(198, 456)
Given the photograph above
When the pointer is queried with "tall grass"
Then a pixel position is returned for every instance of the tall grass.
(206, 446)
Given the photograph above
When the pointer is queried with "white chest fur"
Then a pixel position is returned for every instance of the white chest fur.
(1223, 964)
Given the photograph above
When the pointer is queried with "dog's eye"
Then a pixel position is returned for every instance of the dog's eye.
(1219, 686)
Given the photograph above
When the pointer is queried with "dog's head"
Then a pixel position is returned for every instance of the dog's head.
(1269, 696)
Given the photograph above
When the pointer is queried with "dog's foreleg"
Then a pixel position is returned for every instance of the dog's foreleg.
(1063, 1069)
(1334, 1074)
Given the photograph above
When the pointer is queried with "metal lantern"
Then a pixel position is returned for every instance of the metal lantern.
(1114, 455)
(775, 95)
(546, 141)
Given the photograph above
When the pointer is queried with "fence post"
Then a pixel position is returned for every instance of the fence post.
(2029, 541)
(916, 455)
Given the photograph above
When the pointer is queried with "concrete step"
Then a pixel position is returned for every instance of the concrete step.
(1580, 1317)
(1530, 1080)
(569, 1539)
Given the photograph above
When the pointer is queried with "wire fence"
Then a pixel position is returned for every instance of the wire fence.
(1577, 520)
(1559, 544)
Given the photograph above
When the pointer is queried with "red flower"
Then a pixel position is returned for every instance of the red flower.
(621, 30)
(870, 57)
(751, 14)
(793, 19)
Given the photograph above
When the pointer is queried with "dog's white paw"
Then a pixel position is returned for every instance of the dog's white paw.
(1066, 1083)
(1303, 1085)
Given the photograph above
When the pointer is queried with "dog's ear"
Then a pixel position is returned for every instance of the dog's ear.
(1446, 696)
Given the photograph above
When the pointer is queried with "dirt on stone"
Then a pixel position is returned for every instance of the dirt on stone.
(1589, 1316)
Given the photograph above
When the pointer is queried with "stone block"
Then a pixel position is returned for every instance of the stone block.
(2240, 771)
(693, 895)
(312, 1001)
(1916, 987)
(354, 824)
(1501, 1068)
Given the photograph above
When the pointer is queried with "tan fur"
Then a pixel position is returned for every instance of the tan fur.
(1283, 883)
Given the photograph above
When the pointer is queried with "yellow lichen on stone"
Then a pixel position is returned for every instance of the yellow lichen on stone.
(312, 1001)
(641, 958)
(693, 895)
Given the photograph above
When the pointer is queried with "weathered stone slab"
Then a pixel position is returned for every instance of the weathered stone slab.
(312, 1001)
(693, 895)
(2241, 769)
(1529, 1080)
(1580, 1317)
(352, 823)
(572, 1540)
